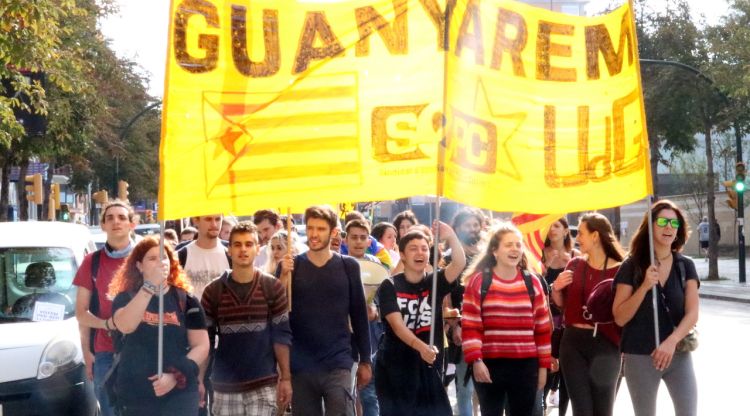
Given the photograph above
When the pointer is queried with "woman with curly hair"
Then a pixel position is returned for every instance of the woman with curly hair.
(135, 313)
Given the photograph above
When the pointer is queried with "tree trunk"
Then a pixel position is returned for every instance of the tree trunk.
(4, 187)
(23, 203)
(713, 243)
(654, 149)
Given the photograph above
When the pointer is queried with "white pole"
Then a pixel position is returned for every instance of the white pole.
(436, 242)
(654, 290)
(160, 343)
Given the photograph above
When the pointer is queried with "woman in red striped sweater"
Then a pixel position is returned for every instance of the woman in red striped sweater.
(506, 334)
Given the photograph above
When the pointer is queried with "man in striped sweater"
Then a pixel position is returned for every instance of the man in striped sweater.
(248, 310)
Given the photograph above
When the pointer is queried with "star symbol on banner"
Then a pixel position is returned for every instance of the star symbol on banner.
(508, 125)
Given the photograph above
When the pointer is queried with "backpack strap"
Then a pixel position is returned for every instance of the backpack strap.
(266, 284)
(486, 283)
(528, 281)
(181, 298)
(681, 271)
(94, 300)
(182, 256)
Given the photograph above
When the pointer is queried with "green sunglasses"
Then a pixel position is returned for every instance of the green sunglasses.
(662, 222)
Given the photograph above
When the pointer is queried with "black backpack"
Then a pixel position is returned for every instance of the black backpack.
(94, 301)
(487, 282)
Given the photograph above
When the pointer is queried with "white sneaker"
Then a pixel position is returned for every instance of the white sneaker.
(554, 399)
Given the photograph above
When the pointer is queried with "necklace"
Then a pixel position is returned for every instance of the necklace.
(665, 257)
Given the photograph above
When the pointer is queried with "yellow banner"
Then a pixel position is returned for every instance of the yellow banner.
(545, 110)
(276, 103)
(283, 103)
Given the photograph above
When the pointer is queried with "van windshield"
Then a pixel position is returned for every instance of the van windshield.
(36, 279)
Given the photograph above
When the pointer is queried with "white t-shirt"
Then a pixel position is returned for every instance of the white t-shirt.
(204, 265)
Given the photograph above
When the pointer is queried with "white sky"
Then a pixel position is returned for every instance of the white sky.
(139, 31)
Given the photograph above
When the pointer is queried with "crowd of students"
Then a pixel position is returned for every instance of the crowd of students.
(256, 326)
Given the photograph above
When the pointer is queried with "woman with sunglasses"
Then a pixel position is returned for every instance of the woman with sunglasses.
(677, 284)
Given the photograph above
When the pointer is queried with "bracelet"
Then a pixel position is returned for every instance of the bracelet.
(149, 287)
(285, 379)
(106, 325)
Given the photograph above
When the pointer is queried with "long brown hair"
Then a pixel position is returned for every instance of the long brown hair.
(639, 245)
(487, 260)
(129, 279)
(597, 222)
(567, 241)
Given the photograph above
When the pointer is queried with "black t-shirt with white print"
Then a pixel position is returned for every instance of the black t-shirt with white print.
(414, 302)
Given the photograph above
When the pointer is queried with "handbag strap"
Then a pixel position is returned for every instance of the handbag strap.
(585, 274)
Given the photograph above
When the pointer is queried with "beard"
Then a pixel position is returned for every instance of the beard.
(469, 238)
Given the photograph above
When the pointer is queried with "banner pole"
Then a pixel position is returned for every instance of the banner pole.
(440, 173)
(160, 341)
(289, 250)
(654, 291)
(436, 252)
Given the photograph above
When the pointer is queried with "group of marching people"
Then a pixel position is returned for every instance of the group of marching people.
(523, 335)
(257, 340)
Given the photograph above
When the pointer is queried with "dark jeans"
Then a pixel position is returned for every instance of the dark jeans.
(514, 379)
(175, 403)
(102, 364)
(591, 368)
(313, 390)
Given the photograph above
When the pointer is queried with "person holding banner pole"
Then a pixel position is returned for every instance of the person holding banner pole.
(589, 358)
(140, 389)
(328, 315)
(674, 279)
(407, 381)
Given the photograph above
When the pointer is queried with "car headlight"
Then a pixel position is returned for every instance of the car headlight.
(60, 353)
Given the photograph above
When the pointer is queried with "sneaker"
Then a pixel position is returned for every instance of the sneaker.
(554, 399)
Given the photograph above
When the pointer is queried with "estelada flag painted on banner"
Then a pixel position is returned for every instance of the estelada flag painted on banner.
(284, 103)
(534, 228)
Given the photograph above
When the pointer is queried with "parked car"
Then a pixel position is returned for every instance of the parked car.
(99, 237)
(144, 230)
(41, 361)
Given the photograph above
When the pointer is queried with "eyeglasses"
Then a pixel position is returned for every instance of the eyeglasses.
(662, 222)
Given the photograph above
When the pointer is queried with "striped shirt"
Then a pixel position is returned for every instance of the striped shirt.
(506, 326)
(248, 327)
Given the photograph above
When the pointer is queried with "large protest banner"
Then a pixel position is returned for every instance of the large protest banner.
(276, 103)
(545, 110)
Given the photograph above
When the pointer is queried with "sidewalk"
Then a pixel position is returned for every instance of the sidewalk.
(728, 288)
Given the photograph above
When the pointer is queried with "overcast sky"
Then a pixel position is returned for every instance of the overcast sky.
(139, 31)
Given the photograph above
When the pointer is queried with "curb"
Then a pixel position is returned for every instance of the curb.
(723, 297)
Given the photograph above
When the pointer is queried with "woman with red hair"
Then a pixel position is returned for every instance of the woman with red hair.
(135, 313)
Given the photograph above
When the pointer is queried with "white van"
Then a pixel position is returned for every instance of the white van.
(41, 363)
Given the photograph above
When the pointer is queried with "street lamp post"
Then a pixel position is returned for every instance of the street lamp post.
(124, 133)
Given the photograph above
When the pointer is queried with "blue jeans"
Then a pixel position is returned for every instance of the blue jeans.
(102, 364)
(369, 399)
(464, 393)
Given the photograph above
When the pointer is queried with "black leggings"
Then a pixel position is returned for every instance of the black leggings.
(514, 379)
(591, 369)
